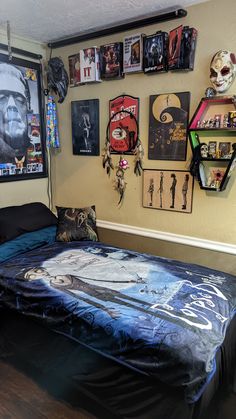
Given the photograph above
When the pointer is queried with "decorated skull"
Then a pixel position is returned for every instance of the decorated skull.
(204, 150)
(222, 70)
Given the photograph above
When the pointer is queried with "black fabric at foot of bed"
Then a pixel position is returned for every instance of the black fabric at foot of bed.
(109, 389)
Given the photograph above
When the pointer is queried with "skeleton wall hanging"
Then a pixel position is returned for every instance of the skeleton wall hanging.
(122, 137)
(222, 70)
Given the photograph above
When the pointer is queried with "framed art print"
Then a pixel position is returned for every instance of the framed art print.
(22, 125)
(168, 122)
(85, 127)
(168, 190)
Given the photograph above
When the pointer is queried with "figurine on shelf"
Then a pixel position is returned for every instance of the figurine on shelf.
(204, 150)
(212, 149)
(226, 121)
(210, 92)
(217, 120)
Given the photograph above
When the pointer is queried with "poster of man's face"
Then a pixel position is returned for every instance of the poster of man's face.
(20, 112)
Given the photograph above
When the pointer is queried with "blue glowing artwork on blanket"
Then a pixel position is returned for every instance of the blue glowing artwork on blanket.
(160, 317)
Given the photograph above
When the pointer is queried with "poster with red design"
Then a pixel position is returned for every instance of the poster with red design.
(123, 126)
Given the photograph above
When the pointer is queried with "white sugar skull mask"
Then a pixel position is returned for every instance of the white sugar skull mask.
(222, 70)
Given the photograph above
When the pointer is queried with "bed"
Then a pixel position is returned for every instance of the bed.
(141, 336)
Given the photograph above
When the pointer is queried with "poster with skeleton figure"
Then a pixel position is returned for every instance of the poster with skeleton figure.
(22, 137)
(85, 127)
(168, 122)
(168, 190)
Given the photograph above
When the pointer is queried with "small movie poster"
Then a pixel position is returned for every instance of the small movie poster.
(155, 53)
(175, 37)
(90, 65)
(74, 70)
(111, 60)
(133, 53)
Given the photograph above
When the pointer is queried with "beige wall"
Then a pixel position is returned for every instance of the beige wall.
(16, 193)
(81, 180)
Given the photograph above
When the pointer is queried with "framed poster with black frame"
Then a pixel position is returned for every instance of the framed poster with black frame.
(168, 123)
(168, 190)
(85, 127)
(22, 124)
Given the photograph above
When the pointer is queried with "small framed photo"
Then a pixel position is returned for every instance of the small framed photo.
(85, 127)
(212, 147)
(168, 190)
(224, 148)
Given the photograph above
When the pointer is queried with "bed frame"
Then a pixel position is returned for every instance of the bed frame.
(84, 378)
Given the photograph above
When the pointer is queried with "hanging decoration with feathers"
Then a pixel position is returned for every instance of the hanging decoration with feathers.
(122, 137)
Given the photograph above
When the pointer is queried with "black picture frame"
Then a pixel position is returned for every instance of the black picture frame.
(168, 126)
(170, 190)
(85, 127)
(22, 121)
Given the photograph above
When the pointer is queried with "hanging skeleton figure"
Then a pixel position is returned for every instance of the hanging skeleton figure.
(57, 78)
(136, 149)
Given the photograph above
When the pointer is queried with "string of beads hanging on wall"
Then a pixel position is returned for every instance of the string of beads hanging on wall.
(123, 136)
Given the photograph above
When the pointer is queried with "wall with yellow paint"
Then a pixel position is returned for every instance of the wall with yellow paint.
(81, 180)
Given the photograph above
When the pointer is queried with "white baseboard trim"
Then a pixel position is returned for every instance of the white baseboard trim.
(175, 238)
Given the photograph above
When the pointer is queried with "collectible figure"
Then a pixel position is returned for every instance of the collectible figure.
(133, 53)
(225, 121)
(210, 92)
(217, 119)
(155, 53)
(74, 70)
(175, 36)
(222, 70)
(90, 65)
(232, 119)
(212, 149)
(111, 59)
(187, 48)
(224, 148)
(204, 150)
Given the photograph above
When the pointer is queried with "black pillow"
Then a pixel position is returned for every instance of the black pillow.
(20, 219)
(76, 224)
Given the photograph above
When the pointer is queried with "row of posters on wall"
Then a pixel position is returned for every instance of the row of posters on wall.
(168, 122)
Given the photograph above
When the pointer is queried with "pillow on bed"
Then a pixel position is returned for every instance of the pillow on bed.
(76, 224)
(27, 241)
(21, 219)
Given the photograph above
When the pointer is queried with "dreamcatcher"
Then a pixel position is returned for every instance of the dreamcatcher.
(122, 137)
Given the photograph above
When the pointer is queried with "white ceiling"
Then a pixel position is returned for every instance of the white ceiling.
(50, 20)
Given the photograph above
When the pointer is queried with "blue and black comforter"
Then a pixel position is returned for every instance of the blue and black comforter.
(160, 317)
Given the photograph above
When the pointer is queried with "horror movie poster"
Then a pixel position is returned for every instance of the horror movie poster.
(168, 124)
(22, 129)
(85, 127)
